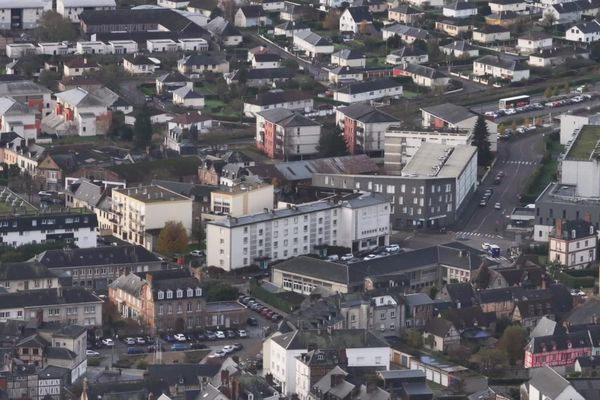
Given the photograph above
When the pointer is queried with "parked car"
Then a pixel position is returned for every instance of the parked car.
(210, 335)
(140, 340)
(237, 346)
(276, 317)
(197, 253)
(483, 202)
(392, 248)
(228, 349)
(497, 206)
(347, 257)
(230, 334)
(179, 347)
(91, 353)
(135, 350)
(108, 342)
(200, 336)
(252, 321)
(370, 257)
(197, 346)
(218, 354)
(242, 333)
(180, 337)
(169, 338)
(129, 341)
(220, 334)
(265, 311)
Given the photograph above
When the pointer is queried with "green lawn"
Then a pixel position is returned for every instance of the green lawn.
(144, 172)
(410, 95)
(214, 103)
(586, 142)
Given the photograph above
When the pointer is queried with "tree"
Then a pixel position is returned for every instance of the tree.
(490, 359)
(433, 291)
(567, 88)
(53, 27)
(332, 20)
(481, 140)
(548, 92)
(363, 27)
(513, 124)
(172, 238)
(501, 129)
(393, 42)
(512, 342)
(526, 122)
(429, 341)
(555, 91)
(332, 143)
(142, 129)
(433, 50)
(229, 8)
(220, 291)
(415, 339)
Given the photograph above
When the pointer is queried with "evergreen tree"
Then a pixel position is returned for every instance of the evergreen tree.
(481, 140)
(332, 143)
(142, 128)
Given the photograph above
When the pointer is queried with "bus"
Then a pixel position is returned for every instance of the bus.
(512, 102)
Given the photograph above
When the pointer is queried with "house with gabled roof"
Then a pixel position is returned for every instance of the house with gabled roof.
(460, 9)
(138, 64)
(407, 54)
(349, 58)
(168, 82)
(188, 97)
(422, 75)
(584, 32)
(443, 334)
(405, 14)
(460, 49)
(408, 34)
(353, 18)
(17, 117)
(510, 69)
(454, 26)
(518, 6)
(224, 32)
(370, 90)
(491, 34)
(531, 42)
(196, 64)
(85, 111)
(289, 28)
(547, 383)
(557, 350)
(312, 44)
(249, 16)
(290, 99)
(563, 13)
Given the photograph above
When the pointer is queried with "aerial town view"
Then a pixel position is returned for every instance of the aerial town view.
(299, 199)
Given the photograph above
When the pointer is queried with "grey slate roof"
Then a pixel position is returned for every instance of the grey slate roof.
(422, 70)
(449, 112)
(60, 353)
(47, 297)
(461, 5)
(505, 63)
(349, 54)
(460, 45)
(287, 118)
(549, 382)
(312, 38)
(69, 258)
(269, 73)
(278, 97)
(337, 340)
(11, 271)
(129, 283)
(360, 13)
(588, 27)
(369, 86)
(366, 113)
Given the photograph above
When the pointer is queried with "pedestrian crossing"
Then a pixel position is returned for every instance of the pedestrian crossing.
(520, 162)
(478, 234)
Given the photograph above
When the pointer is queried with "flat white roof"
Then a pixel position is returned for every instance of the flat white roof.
(439, 160)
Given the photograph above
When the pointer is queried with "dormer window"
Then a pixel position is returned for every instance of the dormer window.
(198, 292)
(179, 293)
(169, 294)
(190, 292)
(161, 295)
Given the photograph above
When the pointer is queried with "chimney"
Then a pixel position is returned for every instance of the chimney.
(559, 223)
(149, 279)
(587, 217)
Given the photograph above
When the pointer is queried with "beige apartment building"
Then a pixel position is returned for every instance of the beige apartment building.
(241, 199)
(143, 211)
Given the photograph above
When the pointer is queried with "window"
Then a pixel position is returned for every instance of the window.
(161, 295)
(189, 307)
(161, 309)
(198, 292)
(169, 294)
(179, 308)
(190, 292)
(179, 293)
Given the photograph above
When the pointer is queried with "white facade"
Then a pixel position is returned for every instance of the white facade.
(148, 208)
(304, 105)
(72, 8)
(528, 45)
(402, 144)
(570, 124)
(462, 13)
(282, 233)
(484, 69)
(297, 139)
(161, 45)
(92, 47)
(29, 12)
(284, 366)
(517, 7)
(137, 69)
(312, 44)
(347, 22)
(466, 124)
(176, 4)
(198, 44)
(18, 50)
(576, 253)
(265, 64)
(490, 37)
(430, 3)
(590, 34)
(343, 62)
(349, 98)
(53, 49)
(583, 173)
(122, 46)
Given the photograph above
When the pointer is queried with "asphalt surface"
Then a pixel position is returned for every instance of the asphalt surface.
(518, 159)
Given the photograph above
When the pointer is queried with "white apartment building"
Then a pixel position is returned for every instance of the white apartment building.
(17, 117)
(580, 165)
(145, 210)
(286, 134)
(281, 352)
(242, 199)
(499, 6)
(23, 14)
(72, 8)
(570, 123)
(359, 221)
(290, 99)
(33, 227)
(573, 244)
(161, 45)
(503, 68)
(402, 144)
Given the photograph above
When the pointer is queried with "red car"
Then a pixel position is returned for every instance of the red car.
(265, 311)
